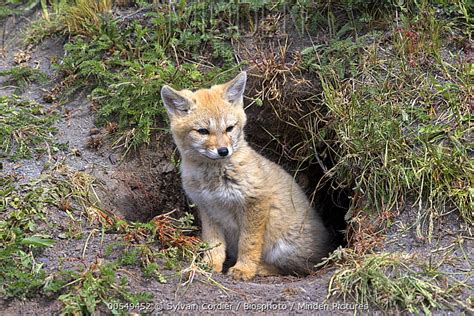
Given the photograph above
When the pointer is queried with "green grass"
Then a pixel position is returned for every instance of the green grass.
(13, 7)
(398, 129)
(125, 64)
(5, 11)
(26, 129)
(67, 17)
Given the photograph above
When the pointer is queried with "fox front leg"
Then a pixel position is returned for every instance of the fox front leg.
(251, 242)
(213, 235)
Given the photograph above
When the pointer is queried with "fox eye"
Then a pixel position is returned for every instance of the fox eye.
(203, 131)
(229, 129)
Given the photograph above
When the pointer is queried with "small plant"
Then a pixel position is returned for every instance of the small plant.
(152, 270)
(173, 235)
(21, 277)
(96, 286)
(129, 257)
(339, 58)
(21, 76)
(78, 17)
(20, 274)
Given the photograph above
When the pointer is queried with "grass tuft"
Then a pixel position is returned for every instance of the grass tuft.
(389, 282)
(83, 17)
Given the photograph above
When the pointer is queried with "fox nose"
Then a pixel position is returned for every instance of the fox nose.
(223, 151)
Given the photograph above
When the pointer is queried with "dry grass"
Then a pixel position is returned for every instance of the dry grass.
(84, 16)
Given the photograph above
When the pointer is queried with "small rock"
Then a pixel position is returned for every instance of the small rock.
(94, 131)
(21, 57)
(76, 152)
(48, 98)
(113, 158)
(167, 167)
(43, 260)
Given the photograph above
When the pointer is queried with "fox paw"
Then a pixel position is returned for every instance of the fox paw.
(243, 273)
(214, 261)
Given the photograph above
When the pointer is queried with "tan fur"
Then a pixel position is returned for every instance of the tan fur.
(249, 206)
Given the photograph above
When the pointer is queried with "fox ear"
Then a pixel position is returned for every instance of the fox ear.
(175, 103)
(234, 89)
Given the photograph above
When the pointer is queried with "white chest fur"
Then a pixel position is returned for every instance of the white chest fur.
(220, 197)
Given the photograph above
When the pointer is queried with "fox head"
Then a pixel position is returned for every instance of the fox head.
(208, 123)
